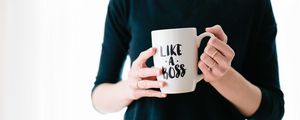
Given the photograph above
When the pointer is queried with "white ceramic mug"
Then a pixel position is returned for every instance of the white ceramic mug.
(177, 54)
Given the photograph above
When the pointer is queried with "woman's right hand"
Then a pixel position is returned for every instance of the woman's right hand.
(141, 78)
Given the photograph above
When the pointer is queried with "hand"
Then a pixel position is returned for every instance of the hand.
(217, 57)
(141, 78)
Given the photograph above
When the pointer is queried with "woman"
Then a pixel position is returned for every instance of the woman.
(240, 67)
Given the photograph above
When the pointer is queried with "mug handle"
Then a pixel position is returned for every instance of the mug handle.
(198, 41)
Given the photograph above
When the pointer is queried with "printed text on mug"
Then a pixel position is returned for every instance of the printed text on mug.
(175, 69)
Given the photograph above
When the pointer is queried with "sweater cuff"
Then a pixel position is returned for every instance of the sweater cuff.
(265, 107)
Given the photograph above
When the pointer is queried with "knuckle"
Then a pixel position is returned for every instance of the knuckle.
(218, 29)
(222, 62)
(226, 63)
(214, 41)
(218, 26)
(205, 57)
(200, 65)
(211, 41)
(233, 53)
(226, 66)
(141, 54)
(202, 57)
(213, 63)
(223, 68)
(217, 54)
(219, 72)
(225, 37)
(134, 63)
(208, 49)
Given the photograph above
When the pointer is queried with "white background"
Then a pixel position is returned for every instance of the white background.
(50, 49)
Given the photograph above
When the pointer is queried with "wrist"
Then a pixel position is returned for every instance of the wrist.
(125, 90)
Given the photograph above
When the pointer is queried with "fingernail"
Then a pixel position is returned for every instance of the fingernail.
(164, 95)
(212, 41)
(151, 49)
(161, 84)
(158, 72)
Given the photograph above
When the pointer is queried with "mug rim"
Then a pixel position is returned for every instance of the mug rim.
(174, 29)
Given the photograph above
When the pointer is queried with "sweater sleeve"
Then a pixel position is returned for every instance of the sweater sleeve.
(262, 67)
(115, 43)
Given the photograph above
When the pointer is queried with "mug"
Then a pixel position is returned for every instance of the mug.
(177, 55)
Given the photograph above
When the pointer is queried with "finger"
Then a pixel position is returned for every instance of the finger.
(148, 93)
(211, 50)
(146, 72)
(220, 59)
(225, 49)
(208, 60)
(218, 32)
(215, 54)
(143, 57)
(146, 84)
(205, 70)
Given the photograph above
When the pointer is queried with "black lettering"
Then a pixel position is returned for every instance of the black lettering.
(182, 70)
(178, 49)
(171, 72)
(165, 73)
(162, 52)
(171, 61)
(177, 68)
(168, 50)
(172, 49)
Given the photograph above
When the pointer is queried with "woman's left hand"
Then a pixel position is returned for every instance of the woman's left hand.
(217, 56)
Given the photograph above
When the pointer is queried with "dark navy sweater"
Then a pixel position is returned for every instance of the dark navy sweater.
(251, 31)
